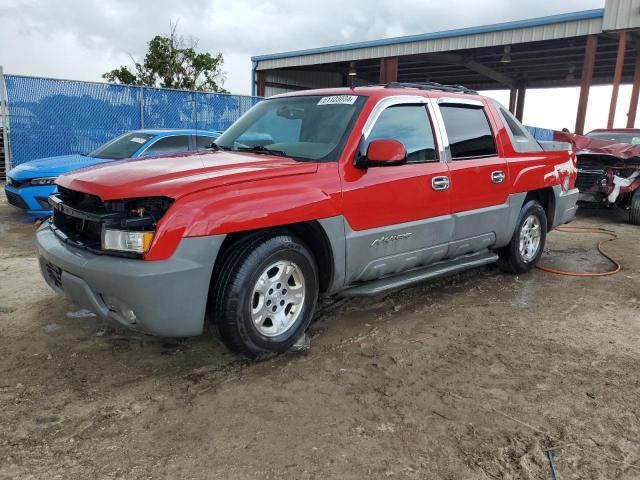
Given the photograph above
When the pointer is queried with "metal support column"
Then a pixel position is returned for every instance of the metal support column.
(194, 110)
(520, 102)
(141, 107)
(261, 82)
(585, 84)
(512, 99)
(617, 76)
(4, 123)
(635, 91)
(388, 69)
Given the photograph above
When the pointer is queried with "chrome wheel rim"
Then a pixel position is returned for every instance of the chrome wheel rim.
(530, 237)
(278, 297)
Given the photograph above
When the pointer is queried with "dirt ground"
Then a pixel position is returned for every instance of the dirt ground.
(472, 377)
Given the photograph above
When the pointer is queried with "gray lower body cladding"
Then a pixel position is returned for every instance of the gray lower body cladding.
(566, 206)
(439, 269)
(393, 249)
(169, 297)
(166, 298)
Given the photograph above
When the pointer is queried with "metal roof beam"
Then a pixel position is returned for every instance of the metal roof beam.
(550, 83)
(578, 55)
(452, 59)
(557, 78)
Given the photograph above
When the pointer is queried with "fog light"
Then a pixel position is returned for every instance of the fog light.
(126, 241)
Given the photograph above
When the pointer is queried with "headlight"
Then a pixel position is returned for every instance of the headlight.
(126, 240)
(43, 181)
(151, 207)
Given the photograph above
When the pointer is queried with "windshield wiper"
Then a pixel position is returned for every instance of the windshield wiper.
(262, 150)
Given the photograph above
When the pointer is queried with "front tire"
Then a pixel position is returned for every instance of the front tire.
(264, 295)
(526, 245)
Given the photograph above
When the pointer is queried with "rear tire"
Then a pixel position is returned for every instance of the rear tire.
(634, 211)
(526, 245)
(264, 294)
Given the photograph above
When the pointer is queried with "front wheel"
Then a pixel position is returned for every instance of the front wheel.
(526, 245)
(265, 294)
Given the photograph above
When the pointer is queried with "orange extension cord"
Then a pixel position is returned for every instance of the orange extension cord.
(578, 229)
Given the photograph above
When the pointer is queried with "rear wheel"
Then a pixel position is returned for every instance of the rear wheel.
(526, 245)
(634, 211)
(264, 295)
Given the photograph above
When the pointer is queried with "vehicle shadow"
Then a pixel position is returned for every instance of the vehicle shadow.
(611, 215)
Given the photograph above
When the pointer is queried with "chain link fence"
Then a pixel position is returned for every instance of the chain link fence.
(44, 117)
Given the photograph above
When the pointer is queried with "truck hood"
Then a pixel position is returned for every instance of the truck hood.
(52, 166)
(179, 175)
(584, 146)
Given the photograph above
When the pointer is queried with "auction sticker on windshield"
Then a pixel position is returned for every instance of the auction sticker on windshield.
(138, 140)
(338, 100)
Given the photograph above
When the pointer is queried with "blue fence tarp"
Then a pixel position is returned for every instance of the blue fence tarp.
(50, 117)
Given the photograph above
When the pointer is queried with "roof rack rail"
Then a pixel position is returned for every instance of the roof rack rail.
(432, 86)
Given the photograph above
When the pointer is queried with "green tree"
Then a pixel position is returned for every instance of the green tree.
(172, 62)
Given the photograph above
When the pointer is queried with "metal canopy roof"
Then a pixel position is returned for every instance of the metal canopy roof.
(537, 29)
(600, 46)
(538, 64)
(543, 52)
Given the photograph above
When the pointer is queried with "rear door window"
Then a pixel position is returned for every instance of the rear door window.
(468, 130)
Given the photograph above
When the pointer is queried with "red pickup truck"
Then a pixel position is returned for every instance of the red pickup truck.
(351, 191)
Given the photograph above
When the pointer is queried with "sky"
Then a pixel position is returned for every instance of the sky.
(82, 39)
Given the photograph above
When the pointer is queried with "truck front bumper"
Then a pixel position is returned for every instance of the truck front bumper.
(166, 298)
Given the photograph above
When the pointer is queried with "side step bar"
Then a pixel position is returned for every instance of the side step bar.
(395, 282)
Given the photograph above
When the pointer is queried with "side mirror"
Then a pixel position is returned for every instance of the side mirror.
(383, 153)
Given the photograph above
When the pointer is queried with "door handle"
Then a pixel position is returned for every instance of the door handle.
(440, 183)
(498, 176)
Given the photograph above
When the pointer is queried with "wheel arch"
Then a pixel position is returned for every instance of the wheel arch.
(324, 238)
(547, 198)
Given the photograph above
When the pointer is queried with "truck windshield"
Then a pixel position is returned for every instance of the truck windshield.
(122, 147)
(307, 128)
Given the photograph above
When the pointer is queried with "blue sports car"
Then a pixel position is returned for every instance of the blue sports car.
(30, 184)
